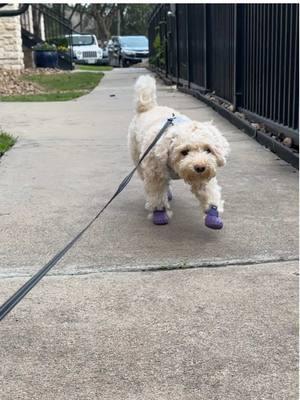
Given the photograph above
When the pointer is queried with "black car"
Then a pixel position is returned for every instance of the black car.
(124, 51)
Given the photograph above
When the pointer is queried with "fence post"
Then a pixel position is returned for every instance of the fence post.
(235, 67)
(238, 55)
(176, 42)
(166, 40)
(187, 44)
(205, 46)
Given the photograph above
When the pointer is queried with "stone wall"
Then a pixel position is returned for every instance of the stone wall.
(11, 53)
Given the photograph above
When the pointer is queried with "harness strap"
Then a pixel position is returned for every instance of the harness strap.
(21, 293)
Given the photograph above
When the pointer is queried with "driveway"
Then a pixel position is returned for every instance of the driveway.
(120, 317)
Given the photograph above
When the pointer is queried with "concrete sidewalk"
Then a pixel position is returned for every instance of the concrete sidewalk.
(101, 328)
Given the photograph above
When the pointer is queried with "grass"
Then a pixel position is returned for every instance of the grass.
(6, 142)
(95, 68)
(66, 82)
(59, 87)
(64, 96)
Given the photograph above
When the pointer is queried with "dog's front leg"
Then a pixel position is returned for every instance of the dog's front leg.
(156, 184)
(209, 194)
(156, 189)
(211, 203)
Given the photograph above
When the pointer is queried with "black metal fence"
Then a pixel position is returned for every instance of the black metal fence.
(55, 24)
(244, 54)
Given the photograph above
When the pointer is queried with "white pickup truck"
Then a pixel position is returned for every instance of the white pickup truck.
(85, 48)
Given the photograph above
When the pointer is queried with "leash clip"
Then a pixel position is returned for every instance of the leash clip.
(171, 119)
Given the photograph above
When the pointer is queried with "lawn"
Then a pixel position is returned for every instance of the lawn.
(6, 142)
(56, 96)
(95, 67)
(58, 87)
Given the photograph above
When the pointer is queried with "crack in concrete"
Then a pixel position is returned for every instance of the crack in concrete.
(157, 268)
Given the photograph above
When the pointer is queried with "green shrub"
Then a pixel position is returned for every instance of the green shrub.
(159, 47)
(6, 142)
(62, 49)
(59, 42)
(44, 47)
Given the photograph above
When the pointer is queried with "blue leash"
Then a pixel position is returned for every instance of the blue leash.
(21, 293)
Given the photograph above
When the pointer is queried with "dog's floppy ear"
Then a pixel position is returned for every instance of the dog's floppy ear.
(219, 145)
(219, 154)
(216, 142)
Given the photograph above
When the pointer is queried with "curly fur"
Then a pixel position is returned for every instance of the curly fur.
(192, 150)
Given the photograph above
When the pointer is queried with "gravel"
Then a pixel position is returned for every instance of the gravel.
(11, 82)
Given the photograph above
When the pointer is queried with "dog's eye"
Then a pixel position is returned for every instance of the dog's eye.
(185, 152)
(207, 150)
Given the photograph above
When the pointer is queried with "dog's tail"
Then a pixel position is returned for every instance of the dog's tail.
(145, 93)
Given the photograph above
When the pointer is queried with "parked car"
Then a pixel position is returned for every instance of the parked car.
(104, 60)
(124, 51)
(85, 48)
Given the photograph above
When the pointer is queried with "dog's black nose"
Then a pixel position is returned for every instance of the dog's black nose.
(199, 169)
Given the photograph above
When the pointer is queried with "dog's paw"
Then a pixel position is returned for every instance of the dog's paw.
(160, 217)
(212, 219)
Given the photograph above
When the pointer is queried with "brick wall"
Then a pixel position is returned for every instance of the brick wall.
(11, 53)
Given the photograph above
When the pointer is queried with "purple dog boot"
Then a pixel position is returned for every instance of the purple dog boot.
(160, 217)
(170, 196)
(212, 219)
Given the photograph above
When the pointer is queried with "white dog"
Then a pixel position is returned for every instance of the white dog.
(188, 150)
